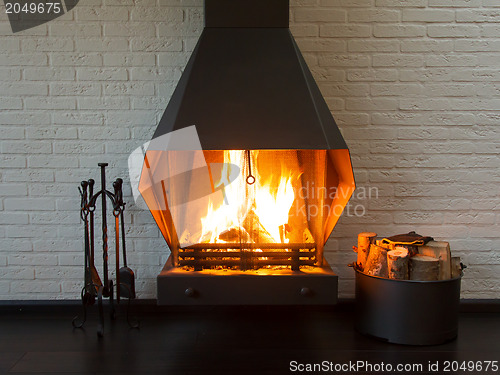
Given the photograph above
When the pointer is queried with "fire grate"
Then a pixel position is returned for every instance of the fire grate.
(247, 256)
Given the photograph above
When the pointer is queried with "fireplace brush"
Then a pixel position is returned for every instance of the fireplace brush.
(93, 286)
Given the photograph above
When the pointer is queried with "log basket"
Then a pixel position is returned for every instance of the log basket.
(407, 311)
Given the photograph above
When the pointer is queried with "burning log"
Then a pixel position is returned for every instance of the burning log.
(397, 263)
(235, 234)
(376, 263)
(365, 239)
(255, 229)
(424, 268)
(440, 250)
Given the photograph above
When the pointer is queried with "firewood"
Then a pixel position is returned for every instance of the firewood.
(376, 263)
(440, 250)
(397, 263)
(365, 239)
(235, 234)
(424, 268)
(456, 267)
(255, 229)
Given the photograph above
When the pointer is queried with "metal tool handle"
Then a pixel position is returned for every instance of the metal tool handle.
(104, 227)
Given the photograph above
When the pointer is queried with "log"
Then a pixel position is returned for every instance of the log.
(424, 268)
(365, 239)
(440, 250)
(255, 229)
(235, 234)
(456, 267)
(397, 263)
(376, 263)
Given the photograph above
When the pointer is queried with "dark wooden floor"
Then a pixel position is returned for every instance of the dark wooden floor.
(219, 341)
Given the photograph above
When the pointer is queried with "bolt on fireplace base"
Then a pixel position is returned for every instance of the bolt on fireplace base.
(309, 286)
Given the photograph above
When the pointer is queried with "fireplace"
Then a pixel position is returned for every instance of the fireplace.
(247, 173)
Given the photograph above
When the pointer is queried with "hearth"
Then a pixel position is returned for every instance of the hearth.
(247, 173)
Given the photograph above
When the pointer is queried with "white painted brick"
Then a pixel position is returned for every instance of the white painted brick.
(41, 102)
(368, 45)
(101, 103)
(13, 218)
(451, 60)
(488, 45)
(417, 104)
(49, 74)
(11, 133)
(428, 15)
(427, 46)
(76, 59)
(51, 133)
(101, 74)
(478, 15)
(13, 161)
(129, 59)
(346, 3)
(320, 15)
(31, 88)
(10, 74)
(385, 75)
(35, 287)
(151, 14)
(373, 15)
(398, 31)
(19, 59)
(47, 44)
(29, 204)
(144, 29)
(445, 89)
(32, 259)
(401, 3)
(455, 3)
(134, 88)
(53, 161)
(75, 89)
(26, 147)
(74, 28)
(155, 74)
(340, 60)
(298, 30)
(9, 44)
(323, 44)
(452, 31)
(397, 60)
(340, 31)
(112, 44)
(401, 90)
(10, 103)
(101, 13)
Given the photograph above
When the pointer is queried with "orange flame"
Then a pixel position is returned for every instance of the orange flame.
(266, 201)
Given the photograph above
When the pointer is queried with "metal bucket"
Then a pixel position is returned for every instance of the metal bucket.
(406, 311)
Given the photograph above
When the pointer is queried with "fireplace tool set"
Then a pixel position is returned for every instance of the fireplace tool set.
(96, 287)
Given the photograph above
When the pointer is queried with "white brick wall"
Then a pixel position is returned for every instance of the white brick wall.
(414, 86)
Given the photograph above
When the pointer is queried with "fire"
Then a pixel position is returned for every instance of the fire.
(252, 213)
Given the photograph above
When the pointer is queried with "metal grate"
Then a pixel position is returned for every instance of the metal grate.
(247, 256)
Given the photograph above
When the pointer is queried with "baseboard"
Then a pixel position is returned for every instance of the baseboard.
(151, 306)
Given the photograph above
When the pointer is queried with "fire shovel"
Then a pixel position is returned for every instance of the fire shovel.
(126, 275)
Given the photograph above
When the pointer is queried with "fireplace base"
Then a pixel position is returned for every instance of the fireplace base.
(309, 286)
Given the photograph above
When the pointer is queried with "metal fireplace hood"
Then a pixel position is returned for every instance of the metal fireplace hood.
(247, 86)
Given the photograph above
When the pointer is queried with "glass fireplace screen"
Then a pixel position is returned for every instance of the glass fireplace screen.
(246, 209)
